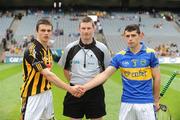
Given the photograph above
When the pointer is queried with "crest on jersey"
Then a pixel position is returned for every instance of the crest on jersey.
(143, 62)
(125, 63)
(134, 62)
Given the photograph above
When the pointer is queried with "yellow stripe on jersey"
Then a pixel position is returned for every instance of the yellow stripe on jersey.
(39, 67)
(45, 59)
(49, 85)
(35, 83)
(137, 73)
(24, 78)
(122, 52)
(149, 50)
(27, 85)
(28, 70)
(43, 84)
(23, 103)
(51, 58)
(32, 50)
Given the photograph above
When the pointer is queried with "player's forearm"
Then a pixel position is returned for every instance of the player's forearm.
(58, 82)
(156, 83)
(156, 89)
(51, 77)
(67, 75)
(99, 79)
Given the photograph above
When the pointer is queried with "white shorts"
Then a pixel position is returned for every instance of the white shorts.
(39, 107)
(130, 111)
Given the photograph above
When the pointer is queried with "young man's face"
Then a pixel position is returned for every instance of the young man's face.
(86, 30)
(44, 33)
(133, 38)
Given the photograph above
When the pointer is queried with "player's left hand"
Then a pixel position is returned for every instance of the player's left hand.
(156, 105)
(78, 90)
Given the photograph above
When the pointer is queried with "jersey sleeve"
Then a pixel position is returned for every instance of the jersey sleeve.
(115, 61)
(154, 60)
(63, 58)
(107, 57)
(34, 58)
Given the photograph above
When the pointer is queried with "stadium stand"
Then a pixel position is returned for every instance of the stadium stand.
(6, 24)
(156, 29)
(167, 32)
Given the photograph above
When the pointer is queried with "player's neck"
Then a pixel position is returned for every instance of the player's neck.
(44, 44)
(136, 49)
(86, 42)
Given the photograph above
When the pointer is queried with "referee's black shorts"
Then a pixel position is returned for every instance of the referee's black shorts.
(91, 104)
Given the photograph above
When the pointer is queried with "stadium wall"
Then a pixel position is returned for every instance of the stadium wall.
(162, 60)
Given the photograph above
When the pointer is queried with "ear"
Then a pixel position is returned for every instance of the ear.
(142, 35)
(36, 32)
(79, 29)
(94, 27)
(122, 35)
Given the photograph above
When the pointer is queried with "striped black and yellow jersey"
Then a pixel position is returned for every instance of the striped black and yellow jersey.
(36, 58)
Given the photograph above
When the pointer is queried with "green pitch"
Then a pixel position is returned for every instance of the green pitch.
(11, 80)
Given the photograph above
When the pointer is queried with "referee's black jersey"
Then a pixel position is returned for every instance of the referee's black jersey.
(35, 59)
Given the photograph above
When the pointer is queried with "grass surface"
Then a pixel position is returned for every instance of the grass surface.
(11, 81)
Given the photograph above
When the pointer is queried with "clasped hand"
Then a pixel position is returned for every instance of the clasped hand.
(77, 90)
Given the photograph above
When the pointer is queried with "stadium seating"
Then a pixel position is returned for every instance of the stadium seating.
(156, 30)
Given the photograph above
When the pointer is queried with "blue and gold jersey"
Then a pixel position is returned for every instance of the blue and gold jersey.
(136, 74)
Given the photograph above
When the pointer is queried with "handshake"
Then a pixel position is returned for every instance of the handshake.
(77, 90)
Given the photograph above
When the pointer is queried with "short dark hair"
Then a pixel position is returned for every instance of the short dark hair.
(132, 27)
(43, 21)
(86, 20)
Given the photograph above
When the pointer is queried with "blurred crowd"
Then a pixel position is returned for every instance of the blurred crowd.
(16, 47)
(167, 50)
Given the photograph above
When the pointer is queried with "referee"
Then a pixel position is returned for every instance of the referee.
(83, 60)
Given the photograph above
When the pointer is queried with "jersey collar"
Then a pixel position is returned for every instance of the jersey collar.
(36, 42)
(143, 48)
(87, 46)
